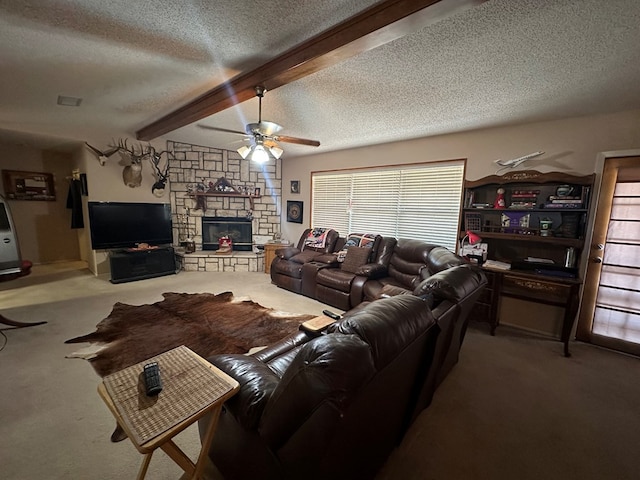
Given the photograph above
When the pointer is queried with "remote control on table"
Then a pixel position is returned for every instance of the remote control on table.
(152, 381)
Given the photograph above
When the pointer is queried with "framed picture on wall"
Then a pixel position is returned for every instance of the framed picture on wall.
(294, 211)
(295, 186)
(19, 185)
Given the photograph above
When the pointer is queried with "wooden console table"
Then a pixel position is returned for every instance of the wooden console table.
(192, 388)
(556, 291)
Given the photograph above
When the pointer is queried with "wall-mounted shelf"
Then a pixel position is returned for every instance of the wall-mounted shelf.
(201, 198)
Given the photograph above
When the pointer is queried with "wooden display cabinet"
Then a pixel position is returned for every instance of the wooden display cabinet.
(543, 214)
(536, 222)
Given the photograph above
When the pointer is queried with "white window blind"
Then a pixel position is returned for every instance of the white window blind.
(420, 202)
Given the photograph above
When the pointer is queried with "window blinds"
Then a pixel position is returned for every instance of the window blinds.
(420, 202)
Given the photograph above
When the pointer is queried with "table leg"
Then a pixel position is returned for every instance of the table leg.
(206, 442)
(145, 465)
(178, 456)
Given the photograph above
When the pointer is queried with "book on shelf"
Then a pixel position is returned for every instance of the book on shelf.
(563, 205)
(497, 265)
(566, 200)
(558, 197)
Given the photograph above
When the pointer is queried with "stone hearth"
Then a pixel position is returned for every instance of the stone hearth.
(207, 261)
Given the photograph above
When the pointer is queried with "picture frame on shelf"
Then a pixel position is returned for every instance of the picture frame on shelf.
(294, 211)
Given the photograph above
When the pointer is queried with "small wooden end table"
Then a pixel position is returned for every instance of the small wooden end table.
(192, 388)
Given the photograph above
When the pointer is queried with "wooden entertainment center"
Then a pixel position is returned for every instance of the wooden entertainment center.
(130, 264)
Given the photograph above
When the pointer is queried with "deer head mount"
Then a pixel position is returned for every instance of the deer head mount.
(132, 173)
(161, 175)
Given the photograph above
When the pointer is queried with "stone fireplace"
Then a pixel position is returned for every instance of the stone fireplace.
(237, 228)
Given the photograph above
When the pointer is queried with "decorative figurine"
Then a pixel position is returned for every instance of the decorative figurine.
(499, 203)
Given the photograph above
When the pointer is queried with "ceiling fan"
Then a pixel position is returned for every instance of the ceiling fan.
(263, 136)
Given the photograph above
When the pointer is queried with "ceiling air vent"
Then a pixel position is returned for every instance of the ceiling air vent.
(69, 101)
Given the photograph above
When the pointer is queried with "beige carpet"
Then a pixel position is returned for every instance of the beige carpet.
(513, 408)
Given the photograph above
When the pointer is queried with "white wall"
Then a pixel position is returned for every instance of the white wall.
(43, 228)
(570, 145)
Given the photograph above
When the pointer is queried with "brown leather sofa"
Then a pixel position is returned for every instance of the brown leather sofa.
(286, 268)
(388, 267)
(328, 406)
(335, 405)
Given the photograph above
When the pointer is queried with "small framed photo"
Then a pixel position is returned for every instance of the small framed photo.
(256, 192)
(295, 186)
(294, 211)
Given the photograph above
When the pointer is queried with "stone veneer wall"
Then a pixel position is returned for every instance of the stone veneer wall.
(192, 163)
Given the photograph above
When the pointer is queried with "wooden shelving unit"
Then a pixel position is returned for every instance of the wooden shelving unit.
(544, 216)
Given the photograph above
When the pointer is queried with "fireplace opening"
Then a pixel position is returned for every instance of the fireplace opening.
(238, 229)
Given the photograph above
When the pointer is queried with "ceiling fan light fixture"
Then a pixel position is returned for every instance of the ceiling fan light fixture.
(244, 151)
(276, 152)
(259, 154)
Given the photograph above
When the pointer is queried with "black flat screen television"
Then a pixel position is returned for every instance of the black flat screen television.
(124, 225)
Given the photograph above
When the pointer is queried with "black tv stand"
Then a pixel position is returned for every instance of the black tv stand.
(128, 265)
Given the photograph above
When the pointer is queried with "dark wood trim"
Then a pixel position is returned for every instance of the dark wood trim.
(531, 176)
(375, 26)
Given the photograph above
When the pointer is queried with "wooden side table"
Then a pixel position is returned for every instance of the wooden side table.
(192, 388)
(270, 253)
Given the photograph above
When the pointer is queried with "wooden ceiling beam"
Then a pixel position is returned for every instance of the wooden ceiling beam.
(375, 26)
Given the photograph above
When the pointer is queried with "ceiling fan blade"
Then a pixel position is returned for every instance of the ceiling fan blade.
(238, 132)
(299, 141)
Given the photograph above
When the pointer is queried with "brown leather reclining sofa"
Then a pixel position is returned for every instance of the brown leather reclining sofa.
(386, 267)
(335, 404)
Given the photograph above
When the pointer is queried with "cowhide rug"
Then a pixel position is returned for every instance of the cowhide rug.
(206, 323)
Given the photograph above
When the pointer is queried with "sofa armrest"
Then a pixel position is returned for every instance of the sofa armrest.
(317, 387)
(372, 271)
(257, 383)
(287, 252)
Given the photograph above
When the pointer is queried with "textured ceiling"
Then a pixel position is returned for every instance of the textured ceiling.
(502, 62)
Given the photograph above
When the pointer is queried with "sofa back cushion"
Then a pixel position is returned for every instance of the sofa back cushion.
(387, 325)
(454, 284)
(407, 261)
(441, 258)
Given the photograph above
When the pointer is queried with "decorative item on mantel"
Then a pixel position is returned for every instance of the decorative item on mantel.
(221, 187)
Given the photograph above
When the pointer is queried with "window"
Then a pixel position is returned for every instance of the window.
(420, 202)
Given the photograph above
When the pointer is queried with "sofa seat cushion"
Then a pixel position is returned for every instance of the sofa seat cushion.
(373, 288)
(305, 256)
(393, 290)
(286, 268)
(335, 278)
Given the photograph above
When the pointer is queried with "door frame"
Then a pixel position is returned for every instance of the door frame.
(590, 286)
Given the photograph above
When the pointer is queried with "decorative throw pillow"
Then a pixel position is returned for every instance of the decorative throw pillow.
(360, 240)
(355, 258)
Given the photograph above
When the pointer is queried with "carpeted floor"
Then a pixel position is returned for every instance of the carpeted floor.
(513, 408)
